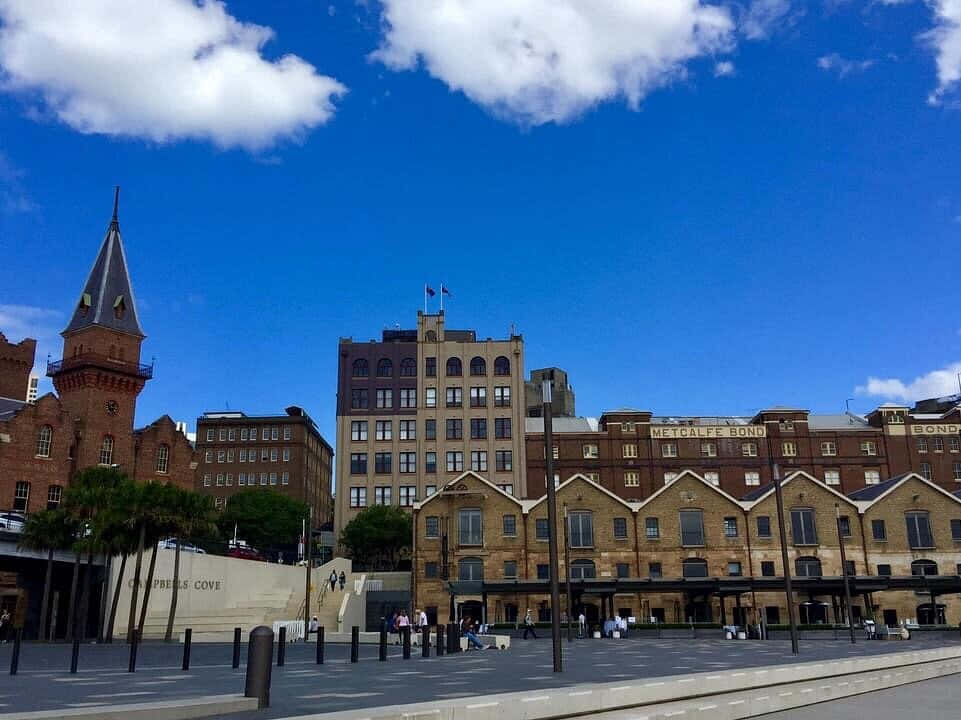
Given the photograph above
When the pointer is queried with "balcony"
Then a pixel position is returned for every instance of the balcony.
(90, 359)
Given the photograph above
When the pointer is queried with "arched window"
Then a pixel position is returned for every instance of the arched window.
(163, 457)
(106, 450)
(502, 366)
(385, 368)
(454, 367)
(361, 369)
(43, 441)
(807, 567)
(408, 367)
(583, 570)
(478, 366)
(694, 568)
(924, 567)
(470, 568)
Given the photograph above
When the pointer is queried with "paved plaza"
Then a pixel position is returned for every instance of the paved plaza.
(302, 687)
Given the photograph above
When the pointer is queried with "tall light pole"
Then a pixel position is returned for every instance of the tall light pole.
(552, 526)
(308, 541)
(844, 571)
(788, 589)
(567, 570)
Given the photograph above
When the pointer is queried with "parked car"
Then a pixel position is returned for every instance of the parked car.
(246, 553)
(12, 521)
(171, 544)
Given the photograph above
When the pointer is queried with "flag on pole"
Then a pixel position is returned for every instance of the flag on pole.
(429, 290)
(445, 291)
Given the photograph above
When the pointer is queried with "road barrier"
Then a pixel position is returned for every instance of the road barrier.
(282, 646)
(320, 645)
(260, 655)
(188, 637)
(236, 658)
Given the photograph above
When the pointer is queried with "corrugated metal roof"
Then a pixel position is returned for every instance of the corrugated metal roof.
(696, 420)
(842, 421)
(562, 425)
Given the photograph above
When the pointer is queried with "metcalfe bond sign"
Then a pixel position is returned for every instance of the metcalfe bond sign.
(675, 432)
(936, 429)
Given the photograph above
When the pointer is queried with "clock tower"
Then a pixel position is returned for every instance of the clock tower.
(100, 375)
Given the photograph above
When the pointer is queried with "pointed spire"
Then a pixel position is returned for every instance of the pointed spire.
(107, 298)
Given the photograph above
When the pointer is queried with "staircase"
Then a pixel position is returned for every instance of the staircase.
(246, 614)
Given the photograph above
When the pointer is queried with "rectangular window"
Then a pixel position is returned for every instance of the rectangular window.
(922, 444)
(430, 569)
(767, 568)
(926, 471)
(542, 530)
(872, 477)
(455, 397)
(359, 399)
(504, 459)
(937, 444)
(230, 456)
(358, 497)
(845, 523)
(708, 449)
(668, 449)
(802, 526)
(632, 479)
(408, 495)
(382, 462)
(243, 455)
(919, 530)
(590, 451)
(253, 434)
(510, 569)
(878, 531)
(263, 478)
(273, 478)
(232, 435)
(478, 460)
(730, 527)
(669, 477)
(506, 487)
(502, 396)
(230, 479)
(242, 478)
(220, 479)
(629, 450)
(430, 429)
(265, 434)
(510, 525)
(654, 570)
(956, 468)
(502, 428)
(455, 429)
(763, 526)
(623, 570)
(713, 477)
(209, 456)
(383, 430)
(223, 434)
(829, 448)
(884, 570)
(210, 434)
(956, 529)
(358, 430)
(432, 526)
(358, 463)
(384, 399)
(430, 462)
(264, 454)
(407, 462)
(221, 456)
(408, 398)
(455, 461)
(207, 480)
(287, 432)
(832, 477)
(543, 571)
(430, 397)
(752, 477)
(692, 528)
(734, 569)
(954, 444)
(581, 528)
(470, 527)
(244, 434)
(273, 454)
(382, 495)
(749, 449)
(478, 428)
(869, 447)
(430, 367)
(274, 433)
(478, 397)
(789, 448)
(620, 528)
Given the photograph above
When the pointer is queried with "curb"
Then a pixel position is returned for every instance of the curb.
(182, 709)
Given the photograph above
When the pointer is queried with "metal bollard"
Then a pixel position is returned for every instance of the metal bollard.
(282, 646)
(188, 637)
(236, 660)
(260, 655)
(75, 655)
(15, 657)
(406, 639)
(441, 640)
(452, 638)
(320, 645)
(383, 643)
(425, 641)
(134, 643)
(354, 644)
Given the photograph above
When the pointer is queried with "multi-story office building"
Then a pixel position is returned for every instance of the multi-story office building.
(562, 394)
(286, 453)
(420, 407)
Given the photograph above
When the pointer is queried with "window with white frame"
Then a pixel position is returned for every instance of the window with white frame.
(455, 461)
(869, 447)
(752, 477)
(829, 448)
(926, 472)
(590, 451)
(242, 479)
(407, 462)
(253, 434)
(230, 456)
(287, 432)
(832, 477)
(921, 444)
(210, 434)
(223, 434)
(206, 479)
(708, 449)
(382, 495)
(221, 456)
(872, 477)
(230, 479)
(632, 479)
(502, 396)
(285, 478)
(430, 397)
(263, 478)
(506, 487)
(218, 503)
(21, 496)
(264, 454)
(668, 449)
(669, 477)
(713, 477)
(243, 455)
(274, 433)
(408, 398)
(220, 479)
(408, 495)
(383, 430)
(358, 430)
(937, 444)
(429, 490)
(232, 435)
(54, 496)
(244, 434)
(358, 497)
(478, 397)
(407, 429)
(266, 433)
(106, 450)
(593, 477)
(957, 471)
(749, 449)
(454, 397)
(954, 444)
(273, 455)
(44, 436)
(286, 455)
(478, 460)
(163, 458)
(208, 456)
(789, 448)
(384, 398)
(629, 450)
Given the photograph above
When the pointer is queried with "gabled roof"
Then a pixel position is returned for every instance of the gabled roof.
(460, 478)
(108, 287)
(891, 485)
(872, 492)
(681, 476)
(762, 492)
(584, 478)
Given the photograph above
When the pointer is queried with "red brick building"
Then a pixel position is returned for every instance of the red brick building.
(90, 421)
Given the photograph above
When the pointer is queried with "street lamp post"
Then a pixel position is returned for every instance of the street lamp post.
(552, 526)
(308, 541)
(567, 572)
(844, 572)
(788, 589)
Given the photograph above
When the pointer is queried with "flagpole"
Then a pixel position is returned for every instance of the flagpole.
(442, 297)
(425, 298)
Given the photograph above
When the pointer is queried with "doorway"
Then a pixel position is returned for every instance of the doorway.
(890, 618)
(472, 609)
(926, 617)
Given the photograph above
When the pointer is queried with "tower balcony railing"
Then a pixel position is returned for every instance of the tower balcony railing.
(92, 359)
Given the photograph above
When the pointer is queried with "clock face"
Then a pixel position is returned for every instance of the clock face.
(112, 407)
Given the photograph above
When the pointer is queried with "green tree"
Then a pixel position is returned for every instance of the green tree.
(193, 516)
(49, 530)
(378, 536)
(263, 517)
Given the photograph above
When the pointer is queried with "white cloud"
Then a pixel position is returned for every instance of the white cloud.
(725, 68)
(936, 383)
(843, 66)
(540, 61)
(945, 38)
(763, 17)
(161, 70)
(43, 325)
(13, 197)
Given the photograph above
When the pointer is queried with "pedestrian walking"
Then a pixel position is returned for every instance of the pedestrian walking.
(333, 580)
(581, 625)
(343, 580)
(5, 626)
(529, 625)
(421, 619)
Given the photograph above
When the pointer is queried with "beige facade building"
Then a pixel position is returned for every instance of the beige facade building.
(420, 407)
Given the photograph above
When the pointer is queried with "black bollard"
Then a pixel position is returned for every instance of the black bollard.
(383, 643)
(425, 641)
(320, 645)
(406, 638)
(354, 644)
(441, 647)
(188, 637)
(450, 638)
(282, 646)
(134, 642)
(236, 661)
(15, 657)
(75, 655)
(260, 656)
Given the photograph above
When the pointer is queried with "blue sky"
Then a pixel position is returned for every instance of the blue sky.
(743, 205)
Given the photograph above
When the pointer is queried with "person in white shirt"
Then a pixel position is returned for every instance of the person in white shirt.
(582, 625)
(422, 619)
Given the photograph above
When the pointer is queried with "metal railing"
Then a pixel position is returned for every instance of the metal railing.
(96, 359)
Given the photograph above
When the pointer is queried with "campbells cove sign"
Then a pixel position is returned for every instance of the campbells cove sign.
(167, 584)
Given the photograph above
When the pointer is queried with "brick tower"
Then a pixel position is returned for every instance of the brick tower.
(100, 375)
(16, 361)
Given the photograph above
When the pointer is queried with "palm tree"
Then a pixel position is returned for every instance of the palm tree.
(194, 516)
(119, 539)
(146, 514)
(49, 530)
(161, 523)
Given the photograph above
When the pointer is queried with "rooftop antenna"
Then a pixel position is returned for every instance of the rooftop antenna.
(116, 201)
(847, 405)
